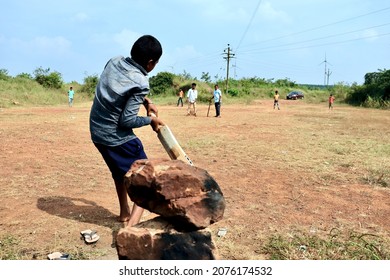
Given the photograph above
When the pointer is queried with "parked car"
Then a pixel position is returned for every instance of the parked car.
(295, 95)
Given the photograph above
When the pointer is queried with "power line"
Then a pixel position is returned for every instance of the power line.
(320, 45)
(326, 25)
(249, 24)
(317, 39)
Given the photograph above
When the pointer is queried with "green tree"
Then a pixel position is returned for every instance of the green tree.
(285, 83)
(375, 92)
(25, 76)
(186, 75)
(206, 77)
(48, 79)
(4, 74)
(90, 83)
(160, 83)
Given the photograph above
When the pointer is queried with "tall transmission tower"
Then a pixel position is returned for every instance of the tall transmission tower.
(326, 73)
(228, 55)
(327, 77)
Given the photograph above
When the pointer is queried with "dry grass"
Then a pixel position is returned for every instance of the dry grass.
(289, 177)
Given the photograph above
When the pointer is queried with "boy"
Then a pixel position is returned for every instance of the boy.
(70, 96)
(180, 100)
(217, 95)
(121, 91)
(192, 95)
(331, 101)
(276, 99)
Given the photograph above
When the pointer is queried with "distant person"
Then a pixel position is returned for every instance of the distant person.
(70, 96)
(217, 96)
(122, 90)
(276, 100)
(192, 95)
(180, 100)
(331, 101)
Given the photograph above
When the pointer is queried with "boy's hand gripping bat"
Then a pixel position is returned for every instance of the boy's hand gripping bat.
(171, 145)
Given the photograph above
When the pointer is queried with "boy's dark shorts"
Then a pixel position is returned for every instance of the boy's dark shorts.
(120, 158)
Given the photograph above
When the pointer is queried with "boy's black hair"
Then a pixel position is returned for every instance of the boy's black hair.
(146, 48)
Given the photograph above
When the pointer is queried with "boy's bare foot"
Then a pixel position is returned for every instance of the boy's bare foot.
(124, 219)
(135, 217)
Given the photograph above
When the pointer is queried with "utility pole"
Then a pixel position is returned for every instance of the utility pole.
(228, 55)
(327, 75)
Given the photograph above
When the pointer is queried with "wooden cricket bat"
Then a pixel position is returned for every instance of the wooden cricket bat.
(171, 145)
(209, 108)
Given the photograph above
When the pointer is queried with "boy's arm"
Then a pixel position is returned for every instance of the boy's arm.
(129, 116)
(150, 107)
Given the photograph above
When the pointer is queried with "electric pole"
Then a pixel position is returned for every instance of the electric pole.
(327, 75)
(228, 55)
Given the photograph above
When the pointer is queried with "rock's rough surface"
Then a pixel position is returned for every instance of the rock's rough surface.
(185, 195)
(156, 239)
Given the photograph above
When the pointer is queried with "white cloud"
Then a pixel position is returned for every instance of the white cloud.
(270, 13)
(370, 35)
(57, 44)
(39, 45)
(80, 17)
(181, 58)
(126, 38)
(241, 11)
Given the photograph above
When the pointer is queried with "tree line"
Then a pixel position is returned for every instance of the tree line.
(374, 93)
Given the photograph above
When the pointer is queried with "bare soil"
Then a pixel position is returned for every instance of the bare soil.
(274, 167)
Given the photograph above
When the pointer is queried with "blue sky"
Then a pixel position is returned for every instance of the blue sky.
(269, 38)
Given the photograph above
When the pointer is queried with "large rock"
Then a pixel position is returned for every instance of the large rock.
(156, 239)
(185, 195)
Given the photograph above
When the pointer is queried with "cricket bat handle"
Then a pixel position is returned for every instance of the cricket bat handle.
(171, 145)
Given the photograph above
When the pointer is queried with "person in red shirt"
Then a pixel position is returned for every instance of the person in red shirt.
(331, 101)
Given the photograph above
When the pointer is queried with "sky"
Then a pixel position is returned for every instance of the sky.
(306, 41)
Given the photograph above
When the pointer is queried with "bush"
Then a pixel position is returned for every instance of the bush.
(26, 76)
(48, 79)
(90, 83)
(160, 83)
(233, 92)
(4, 74)
(375, 92)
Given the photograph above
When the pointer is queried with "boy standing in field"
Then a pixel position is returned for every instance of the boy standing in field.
(276, 99)
(122, 89)
(180, 100)
(70, 96)
(217, 95)
(192, 95)
(331, 101)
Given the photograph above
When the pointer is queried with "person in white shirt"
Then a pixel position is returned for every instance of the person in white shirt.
(192, 95)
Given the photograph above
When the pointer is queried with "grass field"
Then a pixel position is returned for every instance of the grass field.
(300, 183)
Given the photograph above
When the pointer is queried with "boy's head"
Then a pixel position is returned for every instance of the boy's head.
(193, 85)
(146, 51)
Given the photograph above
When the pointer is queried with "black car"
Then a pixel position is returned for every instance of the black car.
(295, 95)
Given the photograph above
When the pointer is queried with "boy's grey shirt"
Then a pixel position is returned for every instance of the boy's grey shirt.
(119, 95)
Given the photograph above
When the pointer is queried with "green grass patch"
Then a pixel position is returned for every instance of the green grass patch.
(337, 245)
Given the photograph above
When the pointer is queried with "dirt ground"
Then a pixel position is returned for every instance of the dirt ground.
(54, 183)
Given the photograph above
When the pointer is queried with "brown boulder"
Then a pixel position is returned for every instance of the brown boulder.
(185, 195)
(156, 239)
